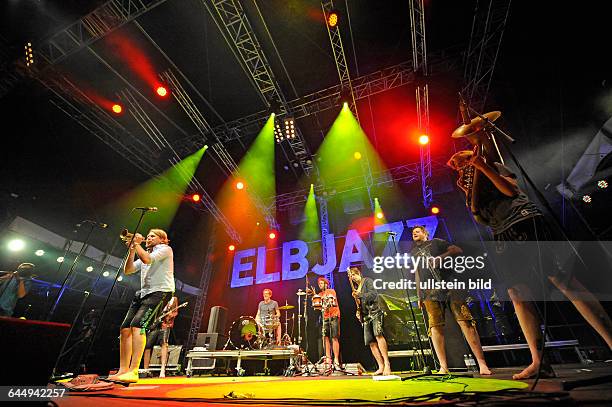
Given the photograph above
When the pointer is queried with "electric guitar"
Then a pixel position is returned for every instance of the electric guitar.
(159, 319)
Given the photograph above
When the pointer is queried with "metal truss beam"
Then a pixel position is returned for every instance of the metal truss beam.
(223, 157)
(420, 66)
(490, 18)
(198, 311)
(240, 36)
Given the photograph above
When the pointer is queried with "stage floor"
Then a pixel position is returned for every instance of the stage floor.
(271, 390)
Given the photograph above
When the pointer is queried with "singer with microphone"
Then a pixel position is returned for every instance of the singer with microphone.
(14, 286)
(156, 266)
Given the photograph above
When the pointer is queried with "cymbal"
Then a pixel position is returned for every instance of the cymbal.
(475, 125)
(300, 292)
(284, 307)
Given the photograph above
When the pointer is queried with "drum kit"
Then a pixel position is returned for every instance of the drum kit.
(249, 334)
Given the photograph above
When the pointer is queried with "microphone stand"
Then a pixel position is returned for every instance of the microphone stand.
(118, 271)
(70, 271)
(426, 367)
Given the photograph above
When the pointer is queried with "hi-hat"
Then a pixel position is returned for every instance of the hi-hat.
(476, 125)
(284, 307)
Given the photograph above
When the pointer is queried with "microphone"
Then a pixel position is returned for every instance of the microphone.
(147, 208)
(392, 233)
(92, 222)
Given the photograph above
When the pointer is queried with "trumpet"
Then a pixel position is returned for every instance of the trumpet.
(125, 235)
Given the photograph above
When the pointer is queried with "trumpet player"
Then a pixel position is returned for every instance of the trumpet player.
(156, 266)
(372, 317)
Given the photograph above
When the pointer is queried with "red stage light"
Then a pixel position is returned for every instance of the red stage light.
(231, 248)
(435, 210)
(272, 235)
(424, 139)
(117, 109)
(239, 185)
(332, 19)
(196, 197)
(161, 91)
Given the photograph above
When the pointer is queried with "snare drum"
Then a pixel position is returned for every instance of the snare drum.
(317, 302)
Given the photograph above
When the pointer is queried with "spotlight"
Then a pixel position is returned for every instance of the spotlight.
(89, 269)
(161, 91)
(424, 139)
(357, 155)
(435, 210)
(239, 185)
(120, 278)
(60, 259)
(379, 215)
(278, 133)
(231, 248)
(39, 252)
(345, 97)
(602, 184)
(16, 245)
(587, 198)
(196, 197)
(29, 55)
(117, 109)
(272, 235)
(106, 274)
(332, 18)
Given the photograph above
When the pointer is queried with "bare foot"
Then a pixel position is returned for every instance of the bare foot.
(387, 370)
(485, 371)
(162, 375)
(378, 372)
(527, 373)
(443, 370)
(119, 373)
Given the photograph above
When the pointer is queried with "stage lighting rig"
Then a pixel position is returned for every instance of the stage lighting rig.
(333, 18)
(29, 54)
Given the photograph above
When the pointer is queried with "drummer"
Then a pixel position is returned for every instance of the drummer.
(268, 314)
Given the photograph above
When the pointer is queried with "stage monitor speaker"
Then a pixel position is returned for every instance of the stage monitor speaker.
(174, 353)
(216, 321)
(30, 349)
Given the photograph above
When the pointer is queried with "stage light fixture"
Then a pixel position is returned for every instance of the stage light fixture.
(603, 184)
(161, 91)
(60, 259)
(120, 278)
(435, 210)
(290, 128)
(272, 235)
(357, 155)
(196, 197)
(333, 17)
(39, 252)
(379, 215)
(89, 269)
(345, 97)
(587, 198)
(423, 139)
(117, 109)
(278, 133)
(231, 248)
(106, 274)
(16, 245)
(29, 55)
(239, 185)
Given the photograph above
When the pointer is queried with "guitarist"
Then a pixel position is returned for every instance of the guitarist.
(372, 319)
(160, 334)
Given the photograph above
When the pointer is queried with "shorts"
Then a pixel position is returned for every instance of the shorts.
(331, 327)
(157, 337)
(143, 311)
(436, 312)
(372, 327)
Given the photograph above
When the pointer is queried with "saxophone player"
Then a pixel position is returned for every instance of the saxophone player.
(372, 319)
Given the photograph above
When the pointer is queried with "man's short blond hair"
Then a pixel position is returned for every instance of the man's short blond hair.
(163, 236)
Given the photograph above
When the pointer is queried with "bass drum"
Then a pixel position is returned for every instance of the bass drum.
(245, 333)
